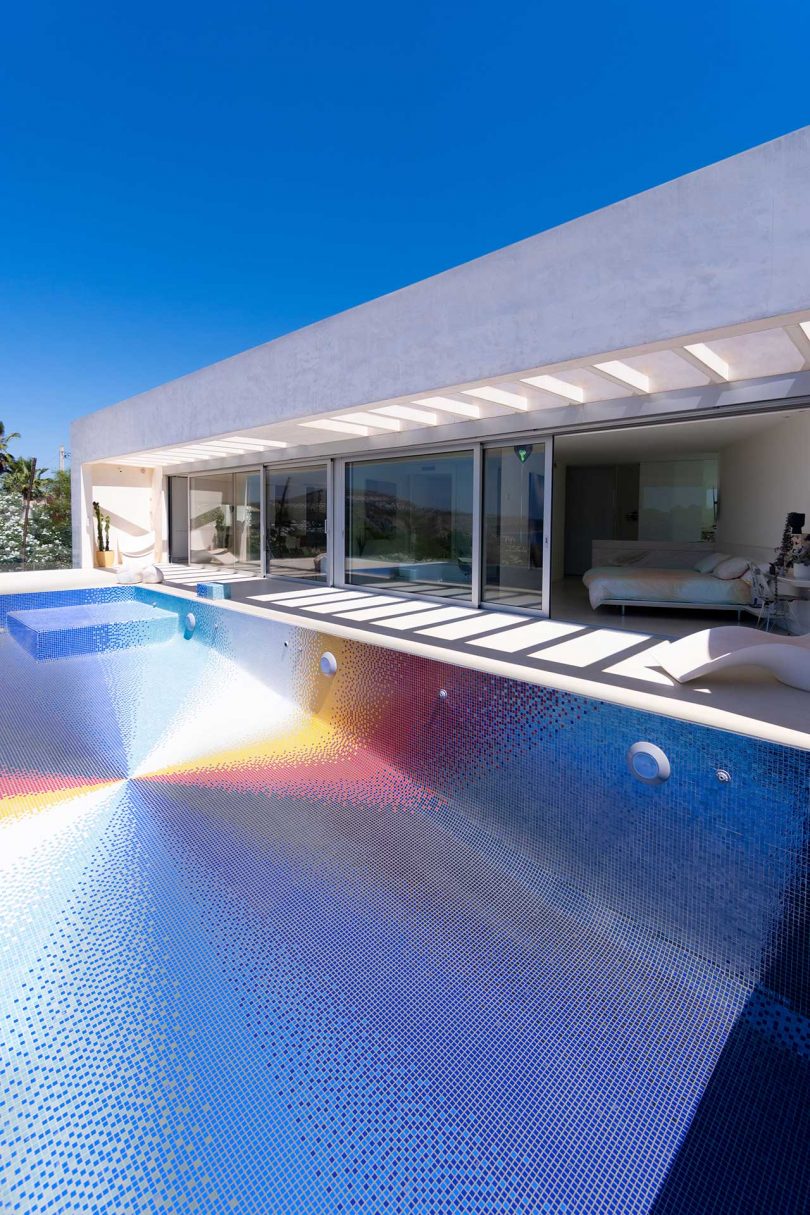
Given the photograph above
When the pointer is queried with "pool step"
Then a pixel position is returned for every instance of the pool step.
(87, 628)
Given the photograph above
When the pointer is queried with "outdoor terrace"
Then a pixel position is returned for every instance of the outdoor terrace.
(615, 662)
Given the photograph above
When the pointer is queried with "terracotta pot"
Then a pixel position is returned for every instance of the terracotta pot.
(104, 561)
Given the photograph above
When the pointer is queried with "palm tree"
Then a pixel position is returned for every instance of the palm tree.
(23, 477)
(5, 457)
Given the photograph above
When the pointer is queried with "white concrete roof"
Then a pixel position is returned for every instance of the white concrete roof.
(528, 399)
(700, 286)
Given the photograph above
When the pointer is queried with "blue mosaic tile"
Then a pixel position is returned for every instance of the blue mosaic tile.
(214, 590)
(275, 942)
(58, 632)
(30, 600)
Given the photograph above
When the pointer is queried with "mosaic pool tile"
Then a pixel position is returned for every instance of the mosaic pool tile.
(279, 942)
(59, 632)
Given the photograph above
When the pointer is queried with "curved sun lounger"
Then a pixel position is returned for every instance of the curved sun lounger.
(720, 649)
(137, 551)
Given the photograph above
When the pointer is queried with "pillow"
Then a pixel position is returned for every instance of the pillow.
(709, 563)
(152, 573)
(628, 558)
(731, 567)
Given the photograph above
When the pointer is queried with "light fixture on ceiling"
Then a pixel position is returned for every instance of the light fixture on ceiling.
(499, 396)
(346, 428)
(203, 453)
(710, 359)
(370, 419)
(625, 374)
(256, 444)
(560, 388)
(194, 453)
(145, 461)
(805, 328)
(220, 449)
(446, 405)
(408, 414)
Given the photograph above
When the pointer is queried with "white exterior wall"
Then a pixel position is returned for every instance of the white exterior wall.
(726, 246)
(132, 497)
(723, 246)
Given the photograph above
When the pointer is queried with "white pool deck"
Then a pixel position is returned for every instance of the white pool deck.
(618, 665)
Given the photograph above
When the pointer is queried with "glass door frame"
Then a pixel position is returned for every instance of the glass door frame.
(228, 471)
(247, 470)
(336, 532)
(404, 453)
(327, 463)
(169, 499)
(548, 504)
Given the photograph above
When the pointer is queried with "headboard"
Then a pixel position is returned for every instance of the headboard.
(661, 554)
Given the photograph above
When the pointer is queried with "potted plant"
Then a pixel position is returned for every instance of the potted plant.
(104, 558)
(784, 555)
(801, 559)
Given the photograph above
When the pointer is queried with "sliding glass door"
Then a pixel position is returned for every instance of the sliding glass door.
(409, 524)
(469, 525)
(514, 526)
(296, 522)
(247, 518)
(224, 519)
(178, 520)
(210, 519)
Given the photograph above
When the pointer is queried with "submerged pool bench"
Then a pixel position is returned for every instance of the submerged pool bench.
(87, 628)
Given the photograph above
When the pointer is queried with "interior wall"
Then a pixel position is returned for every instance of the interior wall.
(132, 497)
(762, 478)
(626, 523)
(675, 499)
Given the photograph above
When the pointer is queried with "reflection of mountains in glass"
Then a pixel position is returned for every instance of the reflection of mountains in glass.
(380, 508)
(420, 526)
(297, 522)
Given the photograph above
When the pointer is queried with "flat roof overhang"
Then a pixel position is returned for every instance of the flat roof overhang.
(739, 367)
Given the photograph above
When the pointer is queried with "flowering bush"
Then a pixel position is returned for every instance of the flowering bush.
(46, 546)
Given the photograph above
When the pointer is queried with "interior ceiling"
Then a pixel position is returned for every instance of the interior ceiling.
(722, 357)
(696, 438)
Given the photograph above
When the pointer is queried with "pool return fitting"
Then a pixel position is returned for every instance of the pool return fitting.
(328, 663)
(648, 763)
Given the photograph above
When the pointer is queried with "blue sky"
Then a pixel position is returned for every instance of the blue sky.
(182, 181)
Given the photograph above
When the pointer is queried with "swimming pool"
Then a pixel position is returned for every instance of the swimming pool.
(275, 941)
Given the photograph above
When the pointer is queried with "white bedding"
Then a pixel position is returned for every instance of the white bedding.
(620, 584)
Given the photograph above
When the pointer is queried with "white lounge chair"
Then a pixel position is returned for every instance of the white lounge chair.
(720, 649)
(138, 559)
(137, 551)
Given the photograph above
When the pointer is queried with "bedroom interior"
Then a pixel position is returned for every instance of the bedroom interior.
(636, 509)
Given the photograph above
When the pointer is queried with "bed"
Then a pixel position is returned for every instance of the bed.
(649, 587)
